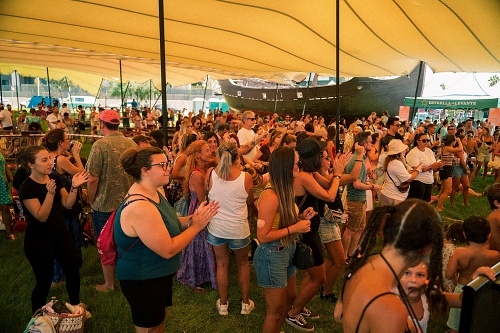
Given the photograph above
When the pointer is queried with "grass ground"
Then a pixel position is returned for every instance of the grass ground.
(191, 312)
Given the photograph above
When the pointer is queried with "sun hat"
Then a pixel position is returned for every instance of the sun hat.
(109, 116)
(310, 147)
(396, 146)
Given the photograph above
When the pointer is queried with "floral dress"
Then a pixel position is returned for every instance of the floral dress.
(448, 250)
(5, 194)
(198, 259)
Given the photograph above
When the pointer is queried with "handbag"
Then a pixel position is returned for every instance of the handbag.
(44, 321)
(403, 187)
(303, 256)
(182, 205)
(334, 211)
(173, 189)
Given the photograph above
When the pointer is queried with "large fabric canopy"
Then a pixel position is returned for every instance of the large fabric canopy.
(248, 38)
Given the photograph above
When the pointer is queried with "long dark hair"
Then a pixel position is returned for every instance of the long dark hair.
(410, 227)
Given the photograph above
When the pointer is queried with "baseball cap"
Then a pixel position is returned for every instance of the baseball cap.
(310, 147)
(109, 116)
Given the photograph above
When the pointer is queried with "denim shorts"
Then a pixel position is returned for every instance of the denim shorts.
(329, 231)
(234, 244)
(99, 219)
(458, 172)
(273, 264)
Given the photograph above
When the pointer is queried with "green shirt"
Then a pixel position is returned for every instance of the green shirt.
(104, 163)
(353, 194)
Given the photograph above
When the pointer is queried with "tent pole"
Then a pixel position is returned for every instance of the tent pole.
(158, 99)
(204, 95)
(150, 83)
(121, 85)
(1, 90)
(276, 99)
(98, 93)
(307, 93)
(48, 85)
(126, 90)
(17, 89)
(337, 74)
(163, 68)
(69, 92)
(414, 111)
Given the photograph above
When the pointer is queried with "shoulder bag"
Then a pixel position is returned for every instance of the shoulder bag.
(403, 187)
(303, 256)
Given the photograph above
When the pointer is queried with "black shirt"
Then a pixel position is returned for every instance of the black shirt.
(31, 190)
(397, 136)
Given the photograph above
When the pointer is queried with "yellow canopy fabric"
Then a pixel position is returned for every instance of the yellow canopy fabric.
(249, 38)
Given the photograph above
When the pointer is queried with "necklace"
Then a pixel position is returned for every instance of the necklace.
(403, 296)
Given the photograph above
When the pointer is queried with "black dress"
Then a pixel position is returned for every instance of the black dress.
(312, 238)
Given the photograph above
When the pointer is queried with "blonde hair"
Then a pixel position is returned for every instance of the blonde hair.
(191, 151)
(228, 153)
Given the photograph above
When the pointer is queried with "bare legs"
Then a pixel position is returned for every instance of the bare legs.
(222, 258)
(350, 240)
(109, 279)
(309, 286)
(7, 221)
(464, 180)
(444, 193)
(333, 264)
(278, 301)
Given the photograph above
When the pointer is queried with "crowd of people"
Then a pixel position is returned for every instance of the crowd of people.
(284, 180)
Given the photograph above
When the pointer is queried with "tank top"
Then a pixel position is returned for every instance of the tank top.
(139, 262)
(447, 158)
(231, 220)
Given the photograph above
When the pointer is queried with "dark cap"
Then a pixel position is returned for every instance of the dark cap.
(310, 147)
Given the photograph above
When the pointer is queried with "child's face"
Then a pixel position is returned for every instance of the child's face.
(413, 280)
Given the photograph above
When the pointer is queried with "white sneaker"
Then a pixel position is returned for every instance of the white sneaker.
(222, 308)
(247, 308)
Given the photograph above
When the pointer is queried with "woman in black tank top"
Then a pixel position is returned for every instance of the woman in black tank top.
(372, 298)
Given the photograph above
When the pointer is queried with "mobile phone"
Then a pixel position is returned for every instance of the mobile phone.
(280, 248)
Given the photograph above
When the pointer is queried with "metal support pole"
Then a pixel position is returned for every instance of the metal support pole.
(17, 89)
(204, 95)
(48, 84)
(337, 74)
(126, 90)
(307, 93)
(413, 110)
(98, 93)
(163, 68)
(121, 86)
(69, 92)
(276, 99)
(1, 90)
(150, 94)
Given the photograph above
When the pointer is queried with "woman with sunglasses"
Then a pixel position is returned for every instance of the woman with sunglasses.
(421, 186)
(149, 238)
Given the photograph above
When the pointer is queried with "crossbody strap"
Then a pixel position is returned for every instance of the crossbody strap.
(125, 205)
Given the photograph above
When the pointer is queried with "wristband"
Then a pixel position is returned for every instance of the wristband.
(358, 160)
(190, 219)
(338, 177)
(73, 188)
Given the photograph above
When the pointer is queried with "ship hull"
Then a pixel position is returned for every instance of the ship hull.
(358, 97)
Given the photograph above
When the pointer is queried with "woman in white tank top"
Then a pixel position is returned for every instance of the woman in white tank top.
(229, 228)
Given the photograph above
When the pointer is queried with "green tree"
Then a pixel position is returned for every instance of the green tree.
(493, 80)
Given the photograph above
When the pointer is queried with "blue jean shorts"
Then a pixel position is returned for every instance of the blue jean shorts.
(458, 172)
(273, 264)
(234, 244)
(329, 231)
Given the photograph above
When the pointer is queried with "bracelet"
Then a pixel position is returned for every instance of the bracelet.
(338, 177)
(190, 219)
(288, 231)
(73, 188)
(358, 160)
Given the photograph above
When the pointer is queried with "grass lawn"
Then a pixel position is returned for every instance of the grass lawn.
(191, 312)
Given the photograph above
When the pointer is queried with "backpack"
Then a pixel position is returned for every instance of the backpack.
(106, 245)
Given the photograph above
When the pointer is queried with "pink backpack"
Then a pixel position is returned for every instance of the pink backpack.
(106, 245)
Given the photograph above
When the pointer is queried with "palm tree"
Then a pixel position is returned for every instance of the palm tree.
(493, 80)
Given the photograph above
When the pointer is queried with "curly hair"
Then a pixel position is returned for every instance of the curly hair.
(193, 149)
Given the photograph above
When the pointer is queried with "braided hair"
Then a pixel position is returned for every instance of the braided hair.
(411, 227)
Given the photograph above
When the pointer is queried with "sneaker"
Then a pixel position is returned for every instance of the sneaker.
(306, 313)
(299, 323)
(247, 308)
(222, 308)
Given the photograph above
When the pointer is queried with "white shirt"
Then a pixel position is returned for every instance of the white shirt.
(245, 136)
(7, 118)
(399, 174)
(426, 157)
(52, 120)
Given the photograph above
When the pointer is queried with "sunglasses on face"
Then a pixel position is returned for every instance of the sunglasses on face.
(163, 165)
(251, 119)
(425, 140)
